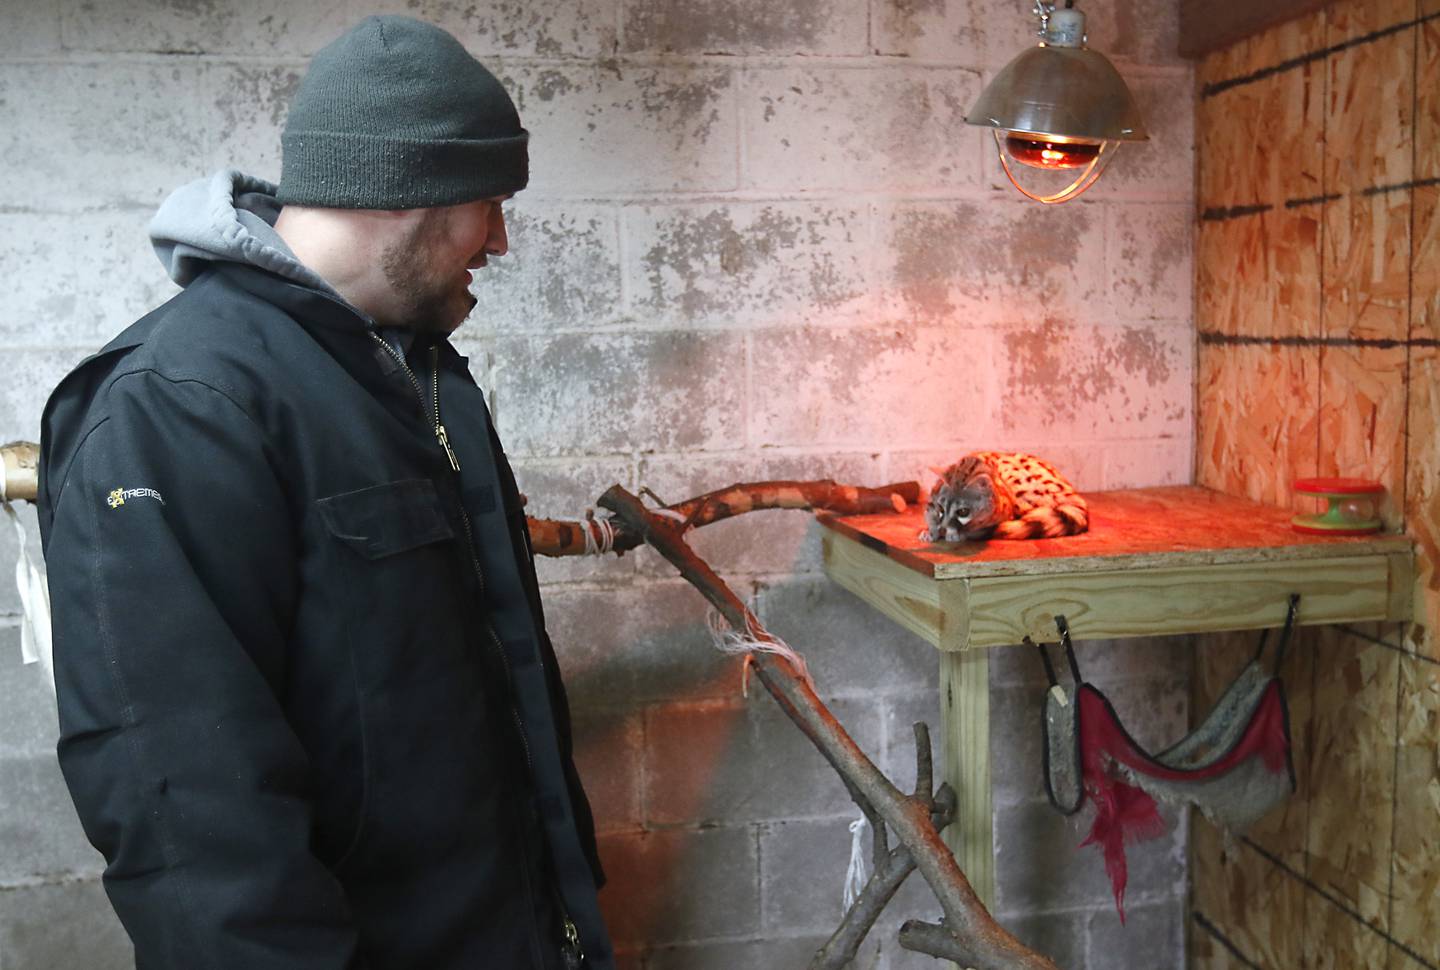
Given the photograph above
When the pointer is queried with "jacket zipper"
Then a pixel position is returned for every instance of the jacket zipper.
(444, 439)
(572, 934)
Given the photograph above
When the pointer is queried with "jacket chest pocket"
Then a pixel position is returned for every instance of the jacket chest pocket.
(395, 557)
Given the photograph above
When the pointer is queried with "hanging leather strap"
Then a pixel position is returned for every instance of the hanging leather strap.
(1284, 633)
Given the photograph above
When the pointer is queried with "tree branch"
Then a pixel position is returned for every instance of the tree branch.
(557, 537)
(988, 945)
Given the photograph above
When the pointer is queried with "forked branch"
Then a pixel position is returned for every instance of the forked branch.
(973, 938)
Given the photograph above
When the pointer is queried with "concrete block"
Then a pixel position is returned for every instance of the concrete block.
(1063, 379)
(617, 128)
(545, 28)
(1162, 168)
(608, 393)
(32, 375)
(769, 541)
(901, 713)
(680, 885)
(1155, 712)
(913, 900)
(748, 265)
(31, 30)
(607, 754)
(268, 27)
(990, 33)
(833, 27)
(772, 953)
(624, 647)
(274, 28)
(1083, 463)
(64, 924)
(849, 645)
(1143, 464)
(1061, 937)
(564, 490)
(969, 263)
(890, 128)
(1152, 935)
(31, 725)
(802, 874)
(77, 279)
(1150, 256)
(246, 106)
(976, 33)
(1040, 865)
(859, 386)
(89, 135)
(38, 825)
(1102, 662)
(713, 761)
(563, 269)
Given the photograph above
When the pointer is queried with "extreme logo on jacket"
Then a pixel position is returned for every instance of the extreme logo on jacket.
(118, 496)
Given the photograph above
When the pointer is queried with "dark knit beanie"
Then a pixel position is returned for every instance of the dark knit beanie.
(396, 114)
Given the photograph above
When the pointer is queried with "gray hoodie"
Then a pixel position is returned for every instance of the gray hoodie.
(228, 216)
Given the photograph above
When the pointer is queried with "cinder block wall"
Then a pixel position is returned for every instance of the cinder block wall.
(758, 243)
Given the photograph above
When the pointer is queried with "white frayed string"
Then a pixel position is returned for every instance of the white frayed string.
(597, 545)
(855, 874)
(35, 644)
(670, 514)
(729, 641)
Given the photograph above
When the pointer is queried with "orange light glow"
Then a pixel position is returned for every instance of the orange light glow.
(1038, 153)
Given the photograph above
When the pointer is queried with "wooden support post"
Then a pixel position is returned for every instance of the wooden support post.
(965, 723)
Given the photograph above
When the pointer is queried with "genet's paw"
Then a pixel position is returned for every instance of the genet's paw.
(925, 536)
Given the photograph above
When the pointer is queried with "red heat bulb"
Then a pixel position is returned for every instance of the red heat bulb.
(1038, 153)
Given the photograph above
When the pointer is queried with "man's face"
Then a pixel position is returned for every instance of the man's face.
(428, 269)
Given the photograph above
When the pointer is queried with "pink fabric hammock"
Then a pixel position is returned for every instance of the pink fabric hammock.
(1234, 767)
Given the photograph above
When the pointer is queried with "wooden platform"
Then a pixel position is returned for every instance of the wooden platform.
(1155, 561)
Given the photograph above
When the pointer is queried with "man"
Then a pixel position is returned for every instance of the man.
(309, 711)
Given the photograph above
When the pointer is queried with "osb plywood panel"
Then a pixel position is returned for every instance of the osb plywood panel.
(1367, 114)
(1423, 462)
(1427, 90)
(1416, 921)
(1259, 142)
(1259, 275)
(1254, 903)
(1400, 960)
(1352, 760)
(1366, 253)
(1422, 517)
(1362, 419)
(1334, 940)
(1258, 408)
(1368, 130)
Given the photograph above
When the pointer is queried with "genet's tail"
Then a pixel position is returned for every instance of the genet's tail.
(1046, 521)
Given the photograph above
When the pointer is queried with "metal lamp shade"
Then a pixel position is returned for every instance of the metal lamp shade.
(1061, 92)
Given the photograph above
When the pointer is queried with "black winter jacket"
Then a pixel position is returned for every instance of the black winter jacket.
(309, 712)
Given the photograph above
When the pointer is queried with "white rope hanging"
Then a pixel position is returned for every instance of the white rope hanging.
(855, 874)
(35, 643)
(736, 644)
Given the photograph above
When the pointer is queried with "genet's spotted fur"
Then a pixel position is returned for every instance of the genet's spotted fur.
(991, 494)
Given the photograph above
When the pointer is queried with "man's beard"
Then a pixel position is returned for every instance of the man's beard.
(428, 303)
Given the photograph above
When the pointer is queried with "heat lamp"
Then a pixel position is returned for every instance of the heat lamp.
(1058, 108)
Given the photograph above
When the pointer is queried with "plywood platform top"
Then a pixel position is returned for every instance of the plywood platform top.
(1133, 529)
